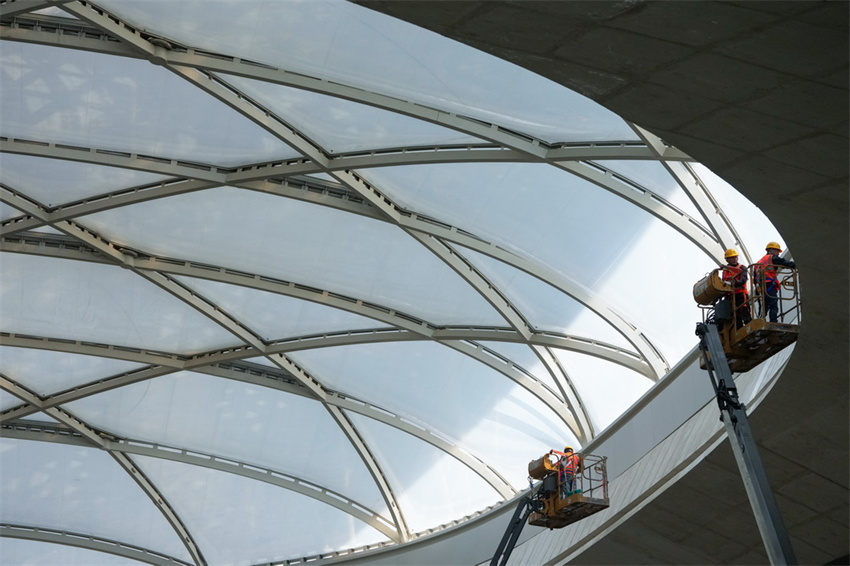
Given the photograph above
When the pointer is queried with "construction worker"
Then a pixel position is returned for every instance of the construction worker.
(736, 275)
(766, 272)
(568, 466)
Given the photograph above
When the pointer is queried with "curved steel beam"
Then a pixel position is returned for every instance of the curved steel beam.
(568, 390)
(89, 542)
(374, 467)
(399, 322)
(561, 407)
(48, 432)
(141, 480)
(236, 370)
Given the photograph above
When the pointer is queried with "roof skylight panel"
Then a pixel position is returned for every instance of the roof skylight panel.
(432, 486)
(7, 401)
(654, 176)
(90, 100)
(236, 520)
(443, 388)
(352, 45)
(342, 126)
(292, 241)
(276, 316)
(536, 210)
(547, 308)
(606, 390)
(250, 423)
(45, 372)
(54, 182)
(8, 212)
(80, 490)
(99, 303)
(22, 551)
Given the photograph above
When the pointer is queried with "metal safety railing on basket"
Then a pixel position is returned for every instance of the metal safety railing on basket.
(592, 477)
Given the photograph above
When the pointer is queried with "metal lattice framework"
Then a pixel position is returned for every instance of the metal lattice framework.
(348, 190)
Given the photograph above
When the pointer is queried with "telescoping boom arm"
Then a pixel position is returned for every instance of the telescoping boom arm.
(734, 416)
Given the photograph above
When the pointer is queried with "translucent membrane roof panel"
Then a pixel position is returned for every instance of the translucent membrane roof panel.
(55, 12)
(93, 302)
(79, 490)
(547, 308)
(753, 227)
(350, 44)
(54, 182)
(522, 356)
(606, 389)
(239, 521)
(35, 553)
(46, 372)
(341, 126)
(120, 104)
(7, 401)
(46, 230)
(7, 212)
(660, 263)
(417, 471)
(239, 421)
(446, 391)
(41, 417)
(278, 317)
(653, 176)
(302, 243)
(537, 210)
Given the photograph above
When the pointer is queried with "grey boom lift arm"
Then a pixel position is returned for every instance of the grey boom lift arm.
(734, 416)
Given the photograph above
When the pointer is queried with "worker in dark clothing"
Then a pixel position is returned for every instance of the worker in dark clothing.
(736, 274)
(766, 271)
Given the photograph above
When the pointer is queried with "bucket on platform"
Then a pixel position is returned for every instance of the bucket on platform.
(710, 288)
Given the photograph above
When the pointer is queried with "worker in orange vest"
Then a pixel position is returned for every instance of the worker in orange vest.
(568, 466)
(767, 272)
(736, 275)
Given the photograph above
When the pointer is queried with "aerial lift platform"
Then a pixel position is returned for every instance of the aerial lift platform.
(747, 343)
(550, 505)
(729, 343)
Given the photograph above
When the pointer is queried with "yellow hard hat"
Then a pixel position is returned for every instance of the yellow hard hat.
(773, 245)
(730, 253)
(568, 449)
